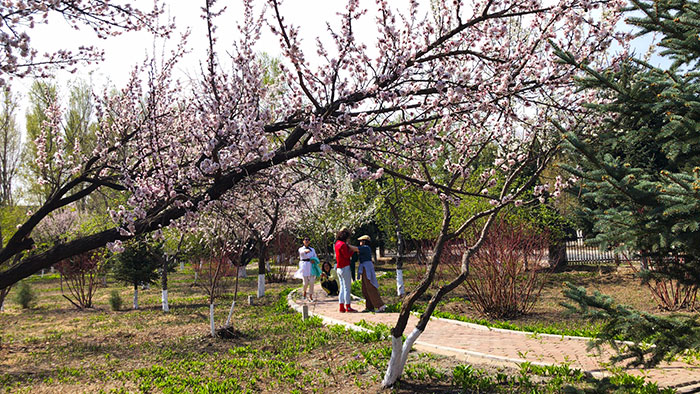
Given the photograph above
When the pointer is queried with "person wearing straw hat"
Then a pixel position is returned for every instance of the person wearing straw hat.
(370, 286)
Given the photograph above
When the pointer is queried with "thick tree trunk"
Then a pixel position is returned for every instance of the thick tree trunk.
(557, 255)
(261, 285)
(211, 320)
(136, 296)
(399, 355)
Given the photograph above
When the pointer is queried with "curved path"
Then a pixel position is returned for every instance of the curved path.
(471, 343)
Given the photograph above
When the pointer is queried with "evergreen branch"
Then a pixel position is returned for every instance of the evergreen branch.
(651, 339)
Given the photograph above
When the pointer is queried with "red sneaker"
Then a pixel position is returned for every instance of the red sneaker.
(342, 308)
(349, 309)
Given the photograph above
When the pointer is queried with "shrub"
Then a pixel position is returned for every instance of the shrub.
(115, 300)
(25, 295)
(80, 275)
(670, 294)
(277, 274)
(505, 276)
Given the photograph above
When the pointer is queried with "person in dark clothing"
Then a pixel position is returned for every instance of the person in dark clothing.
(329, 280)
(368, 276)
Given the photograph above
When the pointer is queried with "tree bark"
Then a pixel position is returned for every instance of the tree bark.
(158, 217)
(3, 294)
(262, 269)
(557, 255)
(164, 285)
(399, 356)
(230, 314)
(212, 328)
(399, 353)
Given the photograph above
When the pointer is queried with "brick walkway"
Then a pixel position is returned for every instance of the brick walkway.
(471, 342)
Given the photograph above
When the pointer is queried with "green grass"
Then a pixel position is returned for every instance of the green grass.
(57, 348)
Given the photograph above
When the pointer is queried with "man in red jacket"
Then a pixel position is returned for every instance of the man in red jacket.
(343, 252)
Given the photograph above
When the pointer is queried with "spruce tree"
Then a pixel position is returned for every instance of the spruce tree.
(639, 165)
(138, 264)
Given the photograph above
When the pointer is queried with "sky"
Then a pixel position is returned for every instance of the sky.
(123, 52)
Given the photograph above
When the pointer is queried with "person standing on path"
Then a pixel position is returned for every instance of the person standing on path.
(343, 253)
(306, 255)
(368, 276)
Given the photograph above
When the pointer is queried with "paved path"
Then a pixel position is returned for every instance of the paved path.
(471, 342)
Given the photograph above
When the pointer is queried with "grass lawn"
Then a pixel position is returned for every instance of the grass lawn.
(548, 314)
(53, 347)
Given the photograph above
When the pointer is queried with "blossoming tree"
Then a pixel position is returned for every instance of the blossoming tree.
(423, 102)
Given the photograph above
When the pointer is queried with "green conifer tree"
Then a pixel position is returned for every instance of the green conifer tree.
(639, 165)
(138, 264)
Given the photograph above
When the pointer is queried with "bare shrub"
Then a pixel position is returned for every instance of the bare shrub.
(284, 248)
(216, 274)
(506, 275)
(670, 294)
(80, 276)
(277, 274)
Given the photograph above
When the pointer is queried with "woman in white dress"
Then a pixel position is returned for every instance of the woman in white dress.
(306, 253)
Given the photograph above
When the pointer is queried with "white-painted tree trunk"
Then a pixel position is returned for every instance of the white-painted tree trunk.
(261, 285)
(182, 265)
(211, 320)
(2, 306)
(242, 272)
(230, 314)
(164, 299)
(400, 290)
(136, 297)
(399, 355)
(42, 273)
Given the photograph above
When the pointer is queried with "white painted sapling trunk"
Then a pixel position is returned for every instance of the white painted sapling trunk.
(2, 306)
(164, 299)
(211, 320)
(136, 297)
(400, 290)
(230, 314)
(399, 355)
(261, 285)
